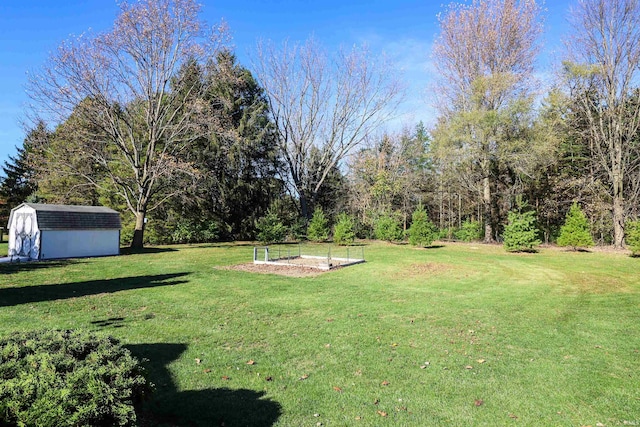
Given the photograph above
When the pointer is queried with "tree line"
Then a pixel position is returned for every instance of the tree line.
(157, 118)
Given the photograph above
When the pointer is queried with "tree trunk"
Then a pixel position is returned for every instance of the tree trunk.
(486, 208)
(138, 233)
(304, 206)
(618, 214)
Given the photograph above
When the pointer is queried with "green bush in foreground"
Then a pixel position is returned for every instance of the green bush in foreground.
(575, 231)
(343, 233)
(422, 232)
(521, 234)
(68, 378)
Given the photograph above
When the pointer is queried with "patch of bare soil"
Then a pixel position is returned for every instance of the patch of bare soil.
(282, 270)
(424, 269)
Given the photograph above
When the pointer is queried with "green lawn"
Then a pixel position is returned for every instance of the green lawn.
(453, 335)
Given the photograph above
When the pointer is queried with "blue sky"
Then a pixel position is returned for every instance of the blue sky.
(404, 30)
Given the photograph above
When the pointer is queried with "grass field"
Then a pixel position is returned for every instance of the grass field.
(452, 335)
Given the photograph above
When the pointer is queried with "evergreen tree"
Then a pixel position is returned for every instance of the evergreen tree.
(18, 181)
(238, 159)
(343, 231)
(422, 232)
(270, 228)
(521, 233)
(575, 231)
(318, 229)
(470, 231)
(632, 236)
(387, 228)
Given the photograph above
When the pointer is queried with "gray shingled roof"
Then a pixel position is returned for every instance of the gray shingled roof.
(70, 217)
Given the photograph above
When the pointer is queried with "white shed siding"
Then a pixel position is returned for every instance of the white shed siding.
(79, 243)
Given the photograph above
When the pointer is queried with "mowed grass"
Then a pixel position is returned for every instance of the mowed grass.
(451, 335)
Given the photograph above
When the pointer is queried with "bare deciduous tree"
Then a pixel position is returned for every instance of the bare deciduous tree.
(485, 56)
(134, 109)
(323, 102)
(603, 73)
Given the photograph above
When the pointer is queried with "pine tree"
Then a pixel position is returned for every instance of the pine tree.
(521, 233)
(387, 228)
(632, 236)
(18, 181)
(343, 233)
(422, 232)
(318, 229)
(575, 231)
(270, 228)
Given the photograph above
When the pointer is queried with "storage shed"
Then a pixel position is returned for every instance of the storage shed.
(42, 231)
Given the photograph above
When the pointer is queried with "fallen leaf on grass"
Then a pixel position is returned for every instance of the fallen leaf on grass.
(468, 367)
(206, 371)
(375, 402)
(515, 417)
(225, 378)
(198, 361)
(382, 413)
(481, 361)
(385, 382)
(304, 377)
(401, 408)
(479, 402)
(269, 379)
(338, 389)
(251, 362)
(358, 418)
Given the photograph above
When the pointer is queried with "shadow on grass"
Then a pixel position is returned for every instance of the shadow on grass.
(210, 407)
(150, 250)
(31, 294)
(14, 267)
(112, 322)
(434, 247)
(222, 245)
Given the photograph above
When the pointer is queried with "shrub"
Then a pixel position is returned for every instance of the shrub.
(363, 230)
(388, 229)
(297, 231)
(318, 229)
(343, 233)
(194, 231)
(422, 232)
(68, 378)
(632, 236)
(575, 231)
(469, 231)
(447, 233)
(521, 234)
(270, 228)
